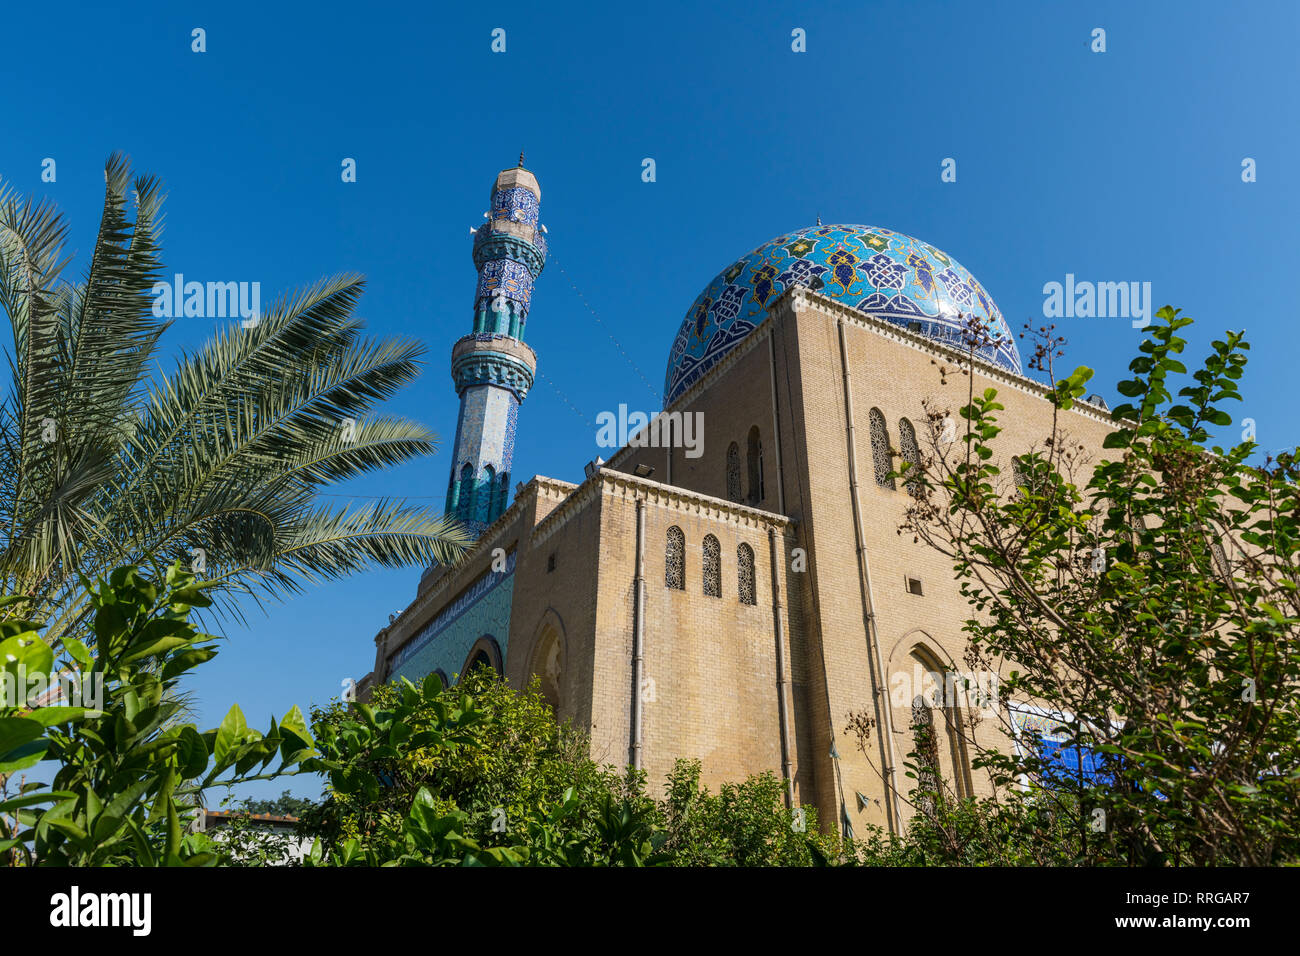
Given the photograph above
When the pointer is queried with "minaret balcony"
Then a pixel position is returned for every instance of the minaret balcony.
(503, 239)
(488, 359)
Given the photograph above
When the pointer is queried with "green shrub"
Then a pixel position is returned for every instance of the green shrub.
(131, 771)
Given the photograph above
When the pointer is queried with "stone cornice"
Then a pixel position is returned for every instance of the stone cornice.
(625, 485)
(552, 487)
(791, 299)
(571, 505)
(620, 484)
(788, 302)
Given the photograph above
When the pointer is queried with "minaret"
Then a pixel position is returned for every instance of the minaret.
(492, 367)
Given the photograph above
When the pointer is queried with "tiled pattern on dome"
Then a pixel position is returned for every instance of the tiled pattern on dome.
(878, 271)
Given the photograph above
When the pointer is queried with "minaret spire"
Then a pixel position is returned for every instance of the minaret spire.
(492, 367)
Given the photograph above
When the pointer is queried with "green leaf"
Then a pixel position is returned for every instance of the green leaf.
(78, 652)
(157, 648)
(53, 716)
(15, 732)
(34, 799)
(296, 741)
(232, 730)
(178, 664)
(295, 722)
(192, 753)
(116, 811)
(26, 653)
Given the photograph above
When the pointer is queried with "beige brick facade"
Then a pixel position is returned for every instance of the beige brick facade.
(713, 668)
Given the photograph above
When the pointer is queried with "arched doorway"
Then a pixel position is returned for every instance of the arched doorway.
(937, 726)
(484, 653)
(547, 662)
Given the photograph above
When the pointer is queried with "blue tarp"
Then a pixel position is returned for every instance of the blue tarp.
(1064, 763)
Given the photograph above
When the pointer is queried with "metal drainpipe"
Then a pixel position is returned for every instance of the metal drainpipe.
(638, 632)
(884, 717)
(776, 421)
(782, 670)
(669, 476)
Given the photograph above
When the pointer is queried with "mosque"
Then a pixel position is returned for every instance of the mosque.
(741, 601)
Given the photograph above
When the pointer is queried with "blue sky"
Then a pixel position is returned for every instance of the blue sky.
(1115, 166)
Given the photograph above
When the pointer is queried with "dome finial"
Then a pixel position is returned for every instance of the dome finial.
(819, 219)
(521, 159)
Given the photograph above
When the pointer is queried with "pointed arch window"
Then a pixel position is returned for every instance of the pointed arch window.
(745, 574)
(939, 746)
(880, 457)
(1020, 476)
(453, 493)
(733, 473)
(712, 565)
(675, 559)
(1219, 557)
(502, 494)
(548, 665)
(483, 502)
(910, 453)
(755, 442)
(465, 500)
(925, 751)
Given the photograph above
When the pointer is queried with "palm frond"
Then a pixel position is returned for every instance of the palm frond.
(104, 463)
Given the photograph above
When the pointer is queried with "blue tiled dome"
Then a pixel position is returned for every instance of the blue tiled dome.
(883, 273)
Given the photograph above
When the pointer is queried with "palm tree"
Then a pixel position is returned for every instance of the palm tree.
(106, 460)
